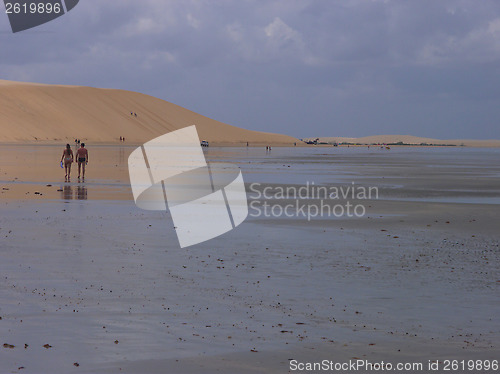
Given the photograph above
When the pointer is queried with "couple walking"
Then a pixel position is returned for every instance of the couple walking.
(82, 157)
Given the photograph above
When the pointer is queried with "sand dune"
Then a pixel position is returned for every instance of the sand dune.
(37, 112)
(409, 139)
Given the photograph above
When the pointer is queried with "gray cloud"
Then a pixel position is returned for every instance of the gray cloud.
(305, 67)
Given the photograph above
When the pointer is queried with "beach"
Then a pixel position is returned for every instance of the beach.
(93, 284)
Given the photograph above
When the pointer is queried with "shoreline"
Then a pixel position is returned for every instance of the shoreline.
(242, 144)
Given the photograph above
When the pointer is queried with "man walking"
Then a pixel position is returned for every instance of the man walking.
(82, 157)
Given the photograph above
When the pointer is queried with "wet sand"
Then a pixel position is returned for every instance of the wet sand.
(106, 285)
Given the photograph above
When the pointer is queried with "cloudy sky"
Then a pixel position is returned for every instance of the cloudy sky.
(301, 67)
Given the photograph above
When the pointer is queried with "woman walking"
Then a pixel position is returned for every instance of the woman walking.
(67, 158)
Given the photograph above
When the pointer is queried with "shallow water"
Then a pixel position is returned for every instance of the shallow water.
(470, 174)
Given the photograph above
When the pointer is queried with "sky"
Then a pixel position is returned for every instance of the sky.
(304, 68)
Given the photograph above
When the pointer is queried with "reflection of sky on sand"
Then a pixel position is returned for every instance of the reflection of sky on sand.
(342, 164)
(79, 279)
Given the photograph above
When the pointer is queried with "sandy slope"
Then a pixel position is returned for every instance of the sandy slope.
(409, 139)
(37, 112)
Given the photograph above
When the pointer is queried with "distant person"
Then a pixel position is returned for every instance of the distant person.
(247, 144)
(135, 114)
(82, 156)
(120, 138)
(67, 158)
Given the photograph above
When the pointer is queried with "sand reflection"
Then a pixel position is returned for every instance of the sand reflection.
(71, 193)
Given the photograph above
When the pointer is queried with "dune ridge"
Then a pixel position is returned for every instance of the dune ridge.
(31, 112)
(408, 139)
